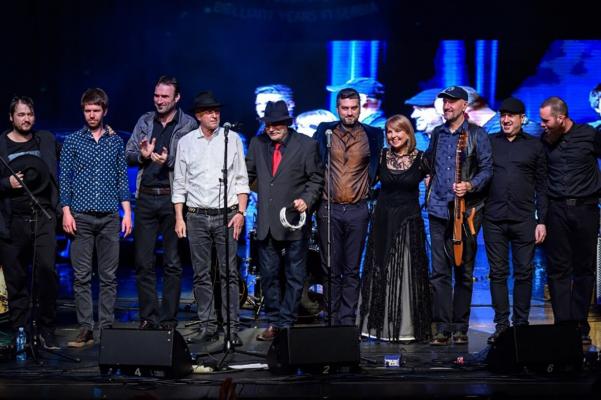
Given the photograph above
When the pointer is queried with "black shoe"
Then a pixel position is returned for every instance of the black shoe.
(495, 336)
(203, 337)
(235, 340)
(48, 340)
(83, 339)
(440, 339)
(145, 324)
(460, 337)
(168, 325)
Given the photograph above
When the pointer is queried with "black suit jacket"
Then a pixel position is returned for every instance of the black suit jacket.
(299, 176)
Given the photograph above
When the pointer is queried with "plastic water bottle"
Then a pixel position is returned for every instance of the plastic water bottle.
(21, 341)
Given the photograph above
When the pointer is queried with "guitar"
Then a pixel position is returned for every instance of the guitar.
(458, 204)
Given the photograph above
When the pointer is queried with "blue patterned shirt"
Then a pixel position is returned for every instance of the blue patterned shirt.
(93, 176)
(442, 193)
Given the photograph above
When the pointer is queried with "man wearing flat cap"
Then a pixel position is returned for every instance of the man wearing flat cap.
(371, 94)
(451, 304)
(426, 116)
(286, 168)
(514, 214)
(197, 183)
(33, 156)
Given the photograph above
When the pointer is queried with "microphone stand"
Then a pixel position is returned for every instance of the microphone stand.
(33, 344)
(329, 217)
(228, 348)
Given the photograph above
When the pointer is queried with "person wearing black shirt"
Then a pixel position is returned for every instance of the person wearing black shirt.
(21, 224)
(151, 148)
(573, 217)
(517, 190)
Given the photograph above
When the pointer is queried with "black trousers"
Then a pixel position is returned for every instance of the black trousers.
(451, 303)
(155, 214)
(16, 256)
(349, 224)
(498, 235)
(571, 251)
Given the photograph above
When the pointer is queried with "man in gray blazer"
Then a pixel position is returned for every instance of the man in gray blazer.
(286, 168)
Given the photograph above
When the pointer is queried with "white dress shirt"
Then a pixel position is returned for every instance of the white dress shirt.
(197, 171)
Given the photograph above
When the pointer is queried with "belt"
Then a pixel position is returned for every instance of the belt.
(157, 191)
(577, 201)
(211, 211)
(98, 214)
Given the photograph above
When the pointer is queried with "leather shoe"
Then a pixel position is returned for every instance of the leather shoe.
(268, 334)
(460, 338)
(203, 337)
(440, 339)
(145, 324)
(235, 340)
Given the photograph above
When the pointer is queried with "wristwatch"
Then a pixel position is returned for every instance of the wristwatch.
(243, 213)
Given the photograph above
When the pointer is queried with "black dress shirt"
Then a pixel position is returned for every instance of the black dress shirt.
(519, 181)
(572, 163)
(156, 175)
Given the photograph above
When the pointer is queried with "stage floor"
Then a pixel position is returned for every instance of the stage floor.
(425, 371)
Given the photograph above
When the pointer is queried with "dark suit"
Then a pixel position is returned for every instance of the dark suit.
(299, 176)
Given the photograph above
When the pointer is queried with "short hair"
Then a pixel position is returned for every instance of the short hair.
(277, 88)
(170, 81)
(20, 100)
(348, 93)
(595, 96)
(95, 96)
(399, 122)
(557, 105)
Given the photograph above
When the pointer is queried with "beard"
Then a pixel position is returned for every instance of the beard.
(552, 137)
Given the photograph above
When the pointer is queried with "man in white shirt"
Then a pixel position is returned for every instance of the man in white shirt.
(198, 183)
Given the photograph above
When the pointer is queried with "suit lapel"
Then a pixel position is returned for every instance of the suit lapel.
(291, 148)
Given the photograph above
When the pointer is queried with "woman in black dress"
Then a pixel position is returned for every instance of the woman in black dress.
(395, 294)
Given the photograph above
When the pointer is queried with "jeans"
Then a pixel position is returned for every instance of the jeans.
(281, 310)
(100, 233)
(203, 232)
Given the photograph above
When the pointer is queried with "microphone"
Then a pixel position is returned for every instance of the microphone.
(329, 137)
(233, 125)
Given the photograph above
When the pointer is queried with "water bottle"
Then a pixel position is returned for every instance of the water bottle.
(21, 340)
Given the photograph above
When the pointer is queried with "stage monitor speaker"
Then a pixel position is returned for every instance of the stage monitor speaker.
(314, 348)
(542, 348)
(159, 353)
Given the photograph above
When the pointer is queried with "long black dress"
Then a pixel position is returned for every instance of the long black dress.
(395, 295)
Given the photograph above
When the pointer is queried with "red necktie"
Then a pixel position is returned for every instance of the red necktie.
(277, 157)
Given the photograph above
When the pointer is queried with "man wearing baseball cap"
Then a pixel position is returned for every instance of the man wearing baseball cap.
(451, 304)
(514, 214)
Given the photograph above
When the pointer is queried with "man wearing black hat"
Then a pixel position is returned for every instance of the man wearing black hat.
(355, 153)
(33, 156)
(197, 183)
(451, 305)
(573, 217)
(286, 168)
(152, 147)
(514, 214)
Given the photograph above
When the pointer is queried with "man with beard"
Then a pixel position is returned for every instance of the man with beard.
(152, 147)
(22, 224)
(573, 216)
(514, 214)
(451, 305)
(355, 151)
(93, 184)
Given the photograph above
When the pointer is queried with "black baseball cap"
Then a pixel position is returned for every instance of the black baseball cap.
(454, 92)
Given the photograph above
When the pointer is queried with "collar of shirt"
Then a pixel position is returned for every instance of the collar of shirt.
(284, 142)
(519, 136)
(351, 132)
(86, 132)
(173, 121)
(446, 129)
(201, 135)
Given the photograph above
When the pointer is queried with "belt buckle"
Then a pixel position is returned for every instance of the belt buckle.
(571, 202)
(193, 210)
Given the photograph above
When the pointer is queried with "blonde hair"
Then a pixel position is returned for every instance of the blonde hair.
(399, 122)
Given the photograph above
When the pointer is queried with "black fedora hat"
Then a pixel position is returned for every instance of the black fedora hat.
(36, 174)
(276, 112)
(205, 99)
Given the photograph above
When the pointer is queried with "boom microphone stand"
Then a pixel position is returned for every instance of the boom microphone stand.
(228, 348)
(34, 345)
(329, 216)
